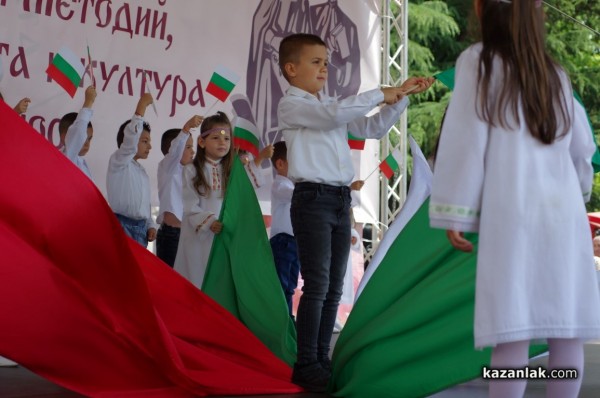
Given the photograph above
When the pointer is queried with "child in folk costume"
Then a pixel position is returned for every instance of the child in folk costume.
(204, 184)
(514, 164)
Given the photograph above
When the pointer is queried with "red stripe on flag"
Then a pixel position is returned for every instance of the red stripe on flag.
(356, 144)
(245, 145)
(217, 91)
(386, 170)
(61, 79)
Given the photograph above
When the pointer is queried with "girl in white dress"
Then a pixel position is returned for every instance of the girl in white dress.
(514, 164)
(204, 184)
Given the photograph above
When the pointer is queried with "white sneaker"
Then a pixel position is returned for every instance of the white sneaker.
(7, 363)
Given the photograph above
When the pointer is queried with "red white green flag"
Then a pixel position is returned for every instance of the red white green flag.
(391, 163)
(67, 70)
(245, 135)
(354, 142)
(222, 82)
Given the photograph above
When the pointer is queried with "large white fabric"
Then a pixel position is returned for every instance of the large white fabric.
(75, 138)
(316, 132)
(170, 185)
(535, 266)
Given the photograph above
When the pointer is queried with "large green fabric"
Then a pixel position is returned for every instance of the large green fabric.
(410, 333)
(447, 78)
(241, 272)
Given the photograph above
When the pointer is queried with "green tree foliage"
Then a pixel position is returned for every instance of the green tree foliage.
(439, 30)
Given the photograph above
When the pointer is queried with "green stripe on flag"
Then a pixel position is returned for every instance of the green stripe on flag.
(355, 138)
(391, 161)
(222, 82)
(245, 135)
(67, 69)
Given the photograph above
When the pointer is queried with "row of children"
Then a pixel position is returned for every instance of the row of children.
(312, 211)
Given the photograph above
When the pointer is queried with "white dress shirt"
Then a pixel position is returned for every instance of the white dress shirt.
(281, 201)
(316, 132)
(170, 172)
(75, 138)
(127, 183)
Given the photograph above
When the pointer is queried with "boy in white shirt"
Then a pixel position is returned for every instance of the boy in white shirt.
(76, 132)
(178, 148)
(315, 129)
(127, 183)
(283, 243)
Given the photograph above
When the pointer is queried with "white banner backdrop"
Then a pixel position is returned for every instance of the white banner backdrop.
(171, 48)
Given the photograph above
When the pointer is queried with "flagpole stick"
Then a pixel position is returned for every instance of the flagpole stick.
(209, 109)
(149, 76)
(371, 173)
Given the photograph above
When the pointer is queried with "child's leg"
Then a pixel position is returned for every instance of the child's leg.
(167, 242)
(311, 220)
(565, 354)
(281, 255)
(514, 355)
(340, 249)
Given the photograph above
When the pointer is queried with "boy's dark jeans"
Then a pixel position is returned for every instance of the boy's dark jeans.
(321, 222)
(285, 254)
(167, 241)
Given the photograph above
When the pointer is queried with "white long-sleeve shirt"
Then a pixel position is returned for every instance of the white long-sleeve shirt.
(281, 201)
(316, 132)
(127, 183)
(170, 181)
(75, 138)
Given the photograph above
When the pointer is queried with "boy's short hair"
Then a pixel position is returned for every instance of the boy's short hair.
(166, 139)
(279, 152)
(121, 133)
(291, 47)
(1, 97)
(66, 121)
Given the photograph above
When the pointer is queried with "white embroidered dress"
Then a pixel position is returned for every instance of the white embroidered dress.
(535, 265)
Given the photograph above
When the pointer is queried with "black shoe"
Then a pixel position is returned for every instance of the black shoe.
(312, 377)
(326, 364)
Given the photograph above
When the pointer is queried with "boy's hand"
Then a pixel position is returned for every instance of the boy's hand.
(21, 107)
(391, 95)
(193, 123)
(145, 100)
(357, 185)
(216, 227)
(151, 234)
(415, 85)
(266, 153)
(90, 97)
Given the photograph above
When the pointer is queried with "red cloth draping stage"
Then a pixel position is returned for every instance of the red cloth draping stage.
(88, 308)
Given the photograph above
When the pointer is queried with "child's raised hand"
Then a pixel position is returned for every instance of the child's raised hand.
(145, 100)
(90, 97)
(193, 123)
(21, 107)
(216, 227)
(266, 153)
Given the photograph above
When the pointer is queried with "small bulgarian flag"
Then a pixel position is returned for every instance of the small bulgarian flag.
(222, 82)
(67, 70)
(356, 142)
(245, 135)
(391, 163)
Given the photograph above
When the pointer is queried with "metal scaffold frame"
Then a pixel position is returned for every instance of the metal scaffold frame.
(394, 23)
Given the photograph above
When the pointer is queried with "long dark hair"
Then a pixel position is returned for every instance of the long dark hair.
(200, 183)
(515, 32)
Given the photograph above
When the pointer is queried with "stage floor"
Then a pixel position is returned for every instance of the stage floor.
(20, 383)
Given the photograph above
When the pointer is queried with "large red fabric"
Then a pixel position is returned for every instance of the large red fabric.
(91, 310)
